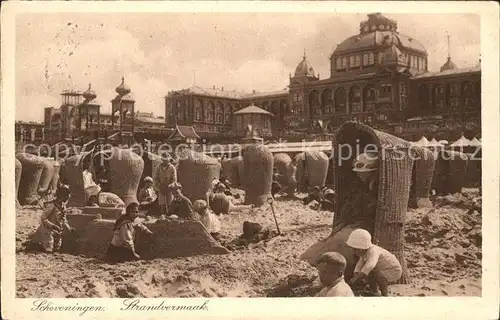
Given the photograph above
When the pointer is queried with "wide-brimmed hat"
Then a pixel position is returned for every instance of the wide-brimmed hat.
(366, 162)
(148, 179)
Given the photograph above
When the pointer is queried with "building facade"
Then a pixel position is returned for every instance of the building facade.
(378, 76)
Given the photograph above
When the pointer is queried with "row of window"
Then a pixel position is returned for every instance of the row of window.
(357, 61)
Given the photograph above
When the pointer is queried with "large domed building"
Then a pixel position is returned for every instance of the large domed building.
(378, 76)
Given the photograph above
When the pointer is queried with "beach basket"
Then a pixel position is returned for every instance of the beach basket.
(47, 174)
(449, 174)
(258, 162)
(281, 163)
(232, 169)
(19, 169)
(32, 167)
(151, 163)
(73, 170)
(196, 171)
(423, 172)
(394, 177)
(312, 168)
(125, 172)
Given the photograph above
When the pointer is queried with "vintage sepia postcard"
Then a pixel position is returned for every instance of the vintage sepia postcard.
(250, 159)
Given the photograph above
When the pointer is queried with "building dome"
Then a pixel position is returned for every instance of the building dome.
(378, 31)
(89, 94)
(448, 65)
(304, 69)
(122, 89)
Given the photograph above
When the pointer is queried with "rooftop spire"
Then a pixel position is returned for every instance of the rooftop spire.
(449, 53)
(304, 53)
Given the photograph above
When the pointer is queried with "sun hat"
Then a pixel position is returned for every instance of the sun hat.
(366, 162)
(359, 239)
(148, 179)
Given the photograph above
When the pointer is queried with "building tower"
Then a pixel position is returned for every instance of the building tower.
(304, 74)
(124, 103)
(448, 65)
(90, 110)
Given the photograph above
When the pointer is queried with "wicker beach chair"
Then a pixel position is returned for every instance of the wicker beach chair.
(232, 168)
(394, 176)
(449, 174)
(422, 174)
(196, 171)
(281, 164)
(47, 174)
(312, 167)
(125, 171)
(258, 163)
(73, 171)
(32, 167)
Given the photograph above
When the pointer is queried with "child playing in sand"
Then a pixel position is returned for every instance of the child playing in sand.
(208, 218)
(383, 267)
(49, 235)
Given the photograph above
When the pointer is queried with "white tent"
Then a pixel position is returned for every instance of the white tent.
(462, 142)
(423, 142)
(475, 143)
(434, 143)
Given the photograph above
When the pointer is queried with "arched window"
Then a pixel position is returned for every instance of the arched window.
(355, 99)
(340, 101)
(369, 97)
(468, 95)
(209, 112)
(327, 101)
(198, 111)
(219, 113)
(227, 113)
(314, 105)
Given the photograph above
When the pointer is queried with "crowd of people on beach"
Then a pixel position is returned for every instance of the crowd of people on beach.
(374, 263)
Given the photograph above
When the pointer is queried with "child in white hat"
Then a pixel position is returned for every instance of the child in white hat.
(374, 261)
(208, 218)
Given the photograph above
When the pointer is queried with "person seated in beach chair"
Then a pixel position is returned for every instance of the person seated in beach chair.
(327, 200)
(181, 206)
(148, 198)
(375, 263)
(314, 195)
(331, 268)
(122, 247)
(208, 218)
(49, 235)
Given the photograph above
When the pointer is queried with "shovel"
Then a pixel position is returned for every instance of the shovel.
(270, 201)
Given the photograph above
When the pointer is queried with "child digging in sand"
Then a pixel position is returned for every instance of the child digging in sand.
(382, 266)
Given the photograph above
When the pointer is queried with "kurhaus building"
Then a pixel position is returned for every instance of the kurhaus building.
(378, 76)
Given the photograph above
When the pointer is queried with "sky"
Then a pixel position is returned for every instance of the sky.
(160, 52)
